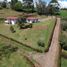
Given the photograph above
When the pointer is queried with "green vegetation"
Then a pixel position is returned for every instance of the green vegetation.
(12, 54)
(18, 6)
(9, 12)
(63, 62)
(64, 25)
(9, 57)
(31, 36)
(63, 14)
(63, 41)
(64, 38)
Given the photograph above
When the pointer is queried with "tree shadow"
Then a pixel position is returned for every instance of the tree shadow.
(6, 51)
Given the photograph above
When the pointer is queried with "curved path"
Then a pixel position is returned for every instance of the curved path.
(52, 57)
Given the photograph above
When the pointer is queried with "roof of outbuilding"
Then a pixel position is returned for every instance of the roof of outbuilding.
(32, 18)
(12, 18)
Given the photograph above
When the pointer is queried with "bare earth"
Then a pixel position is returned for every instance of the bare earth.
(52, 57)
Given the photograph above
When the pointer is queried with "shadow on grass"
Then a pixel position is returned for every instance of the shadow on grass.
(6, 51)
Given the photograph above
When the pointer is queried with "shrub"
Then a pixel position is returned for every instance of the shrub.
(12, 29)
(64, 25)
(63, 42)
(41, 43)
(30, 25)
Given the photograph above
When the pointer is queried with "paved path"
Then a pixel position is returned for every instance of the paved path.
(52, 57)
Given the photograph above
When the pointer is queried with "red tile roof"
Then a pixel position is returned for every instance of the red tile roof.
(12, 18)
(32, 18)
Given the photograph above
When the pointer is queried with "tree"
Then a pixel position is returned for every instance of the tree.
(28, 6)
(18, 6)
(53, 1)
(4, 4)
(41, 6)
(13, 2)
(53, 7)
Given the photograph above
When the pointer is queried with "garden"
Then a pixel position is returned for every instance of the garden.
(37, 37)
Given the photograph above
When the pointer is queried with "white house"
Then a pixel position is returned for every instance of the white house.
(11, 20)
(31, 20)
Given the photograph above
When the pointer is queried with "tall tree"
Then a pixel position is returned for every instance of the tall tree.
(41, 6)
(54, 1)
(53, 7)
(13, 2)
(4, 4)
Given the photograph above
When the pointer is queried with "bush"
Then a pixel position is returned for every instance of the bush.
(12, 29)
(64, 25)
(63, 42)
(41, 43)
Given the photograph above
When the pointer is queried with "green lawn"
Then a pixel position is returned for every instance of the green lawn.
(63, 13)
(13, 59)
(39, 31)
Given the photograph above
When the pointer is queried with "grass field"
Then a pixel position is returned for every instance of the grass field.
(8, 12)
(63, 13)
(15, 59)
(39, 31)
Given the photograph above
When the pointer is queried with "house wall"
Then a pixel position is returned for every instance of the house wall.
(13, 22)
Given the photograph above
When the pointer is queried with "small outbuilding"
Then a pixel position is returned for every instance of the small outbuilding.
(32, 20)
(11, 20)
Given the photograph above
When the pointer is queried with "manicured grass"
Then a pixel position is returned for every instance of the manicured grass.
(63, 62)
(42, 30)
(63, 13)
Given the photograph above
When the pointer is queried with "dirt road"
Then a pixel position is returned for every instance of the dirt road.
(52, 57)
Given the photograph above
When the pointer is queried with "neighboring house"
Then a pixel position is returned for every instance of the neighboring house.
(11, 20)
(31, 20)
